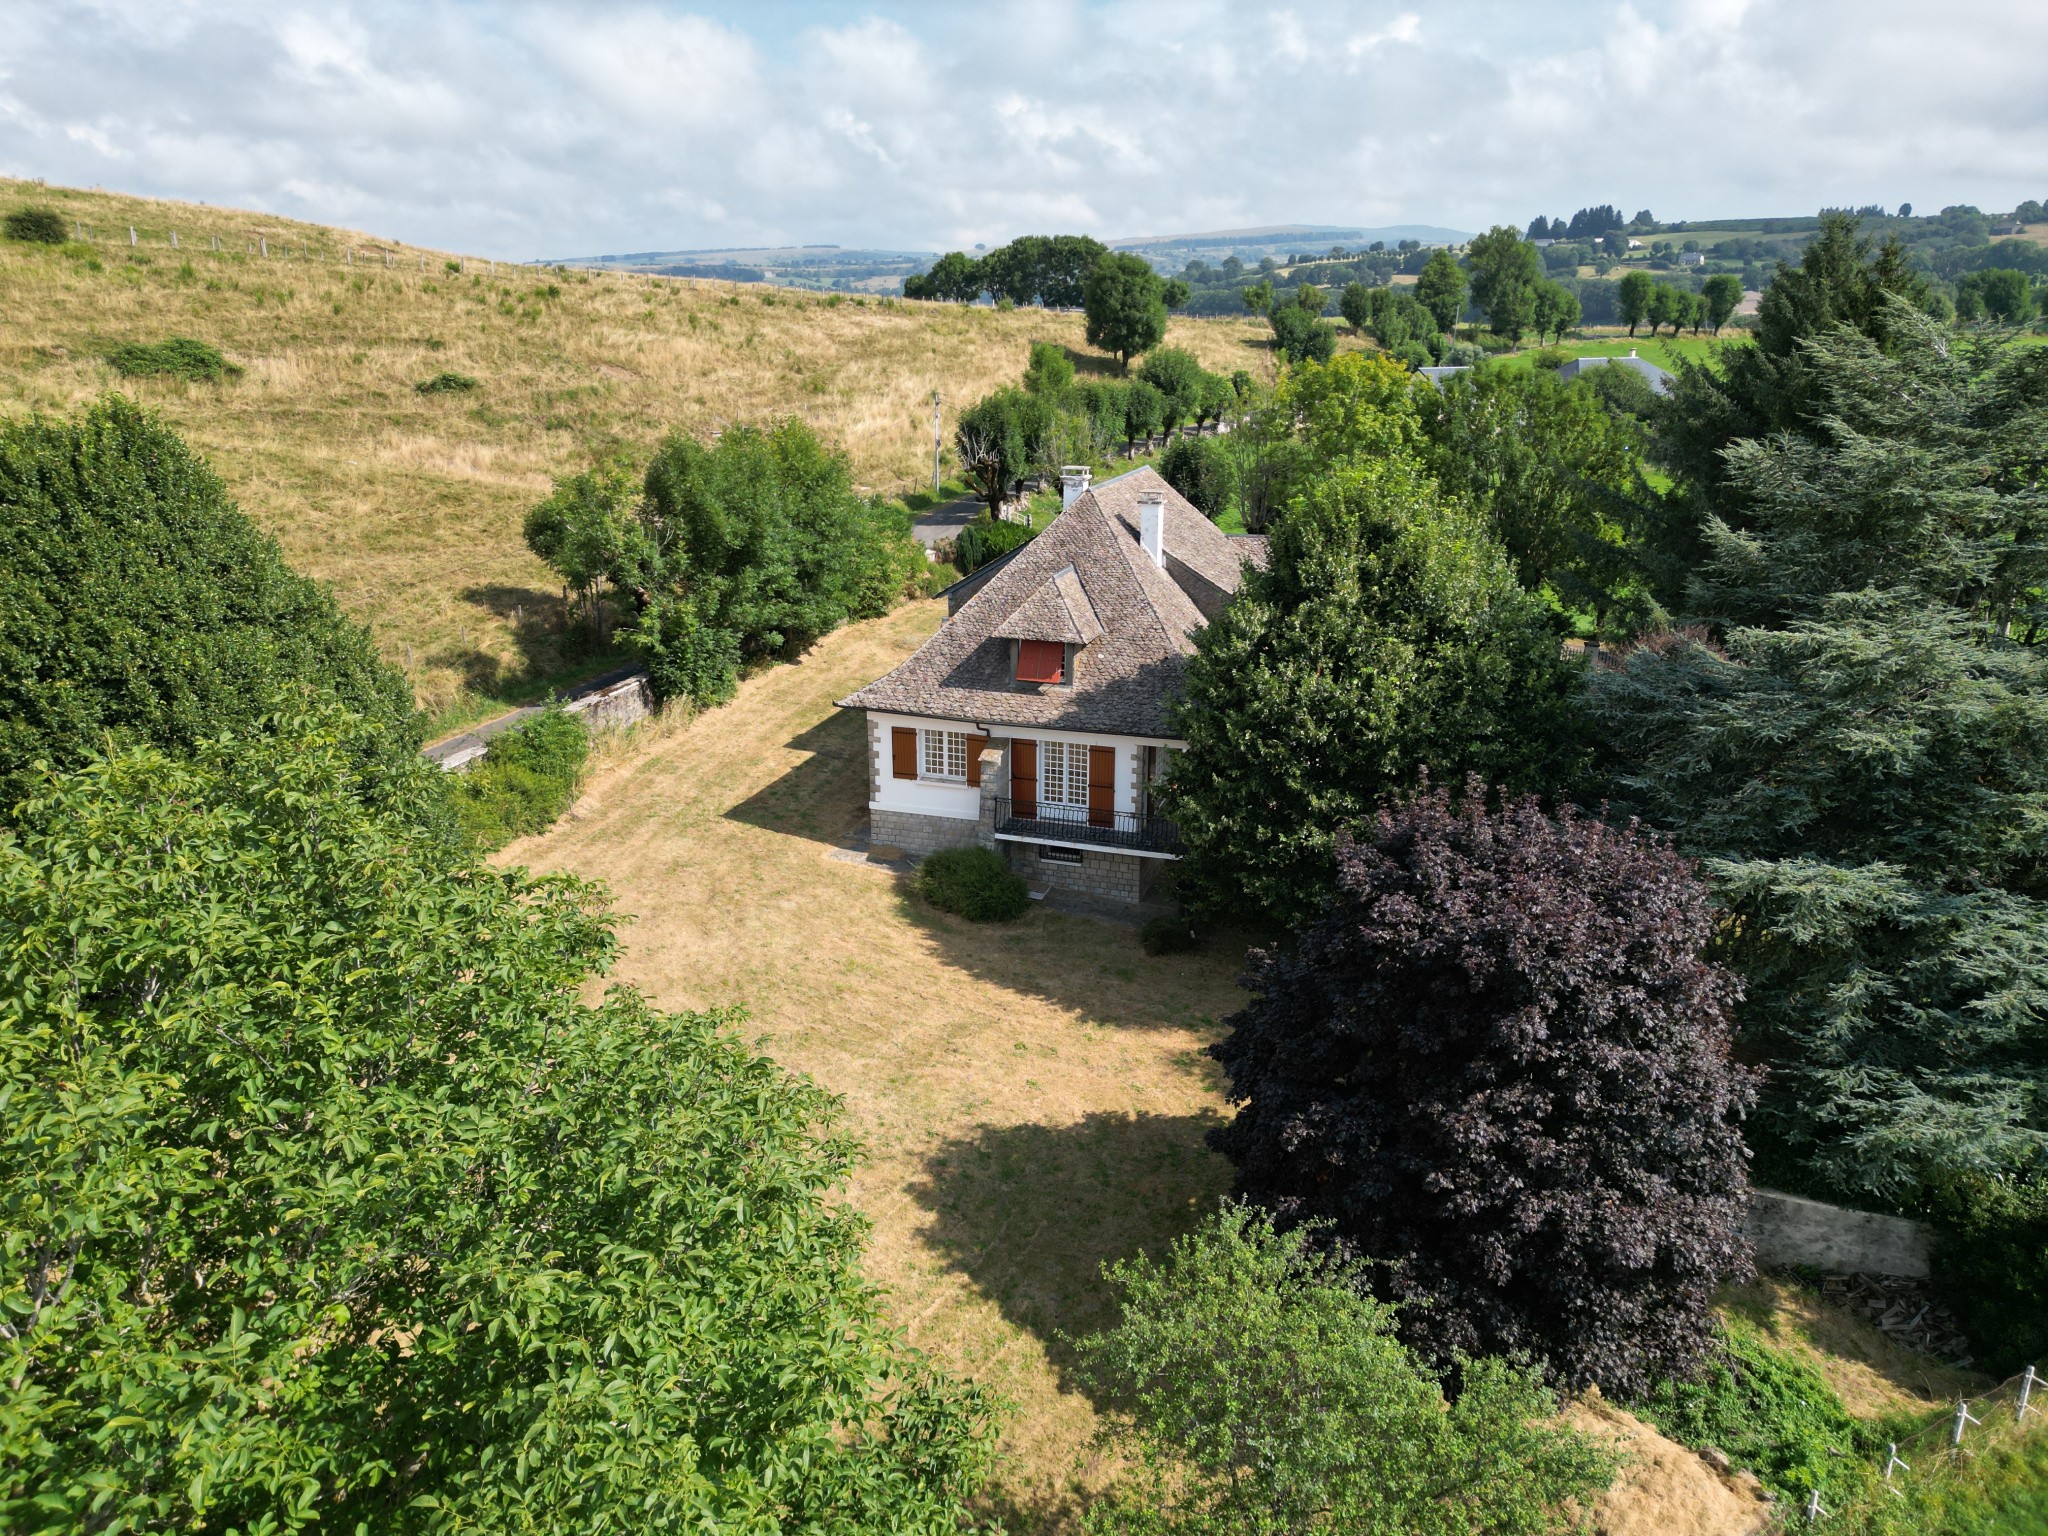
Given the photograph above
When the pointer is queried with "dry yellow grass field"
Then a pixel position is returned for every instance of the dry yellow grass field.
(410, 505)
(1032, 1097)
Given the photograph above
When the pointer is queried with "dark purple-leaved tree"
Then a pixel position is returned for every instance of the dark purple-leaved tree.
(1499, 1064)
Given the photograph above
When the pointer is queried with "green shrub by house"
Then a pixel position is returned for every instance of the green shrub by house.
(985, 539)
(973, 882)
(526, 780)
(178, 358)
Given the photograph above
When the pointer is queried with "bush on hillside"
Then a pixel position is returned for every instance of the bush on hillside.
(178, 358)
(1254, 1386)
(526, 780)
(367, 1220)
(1767, 1411)
(974, 883)
(446, 382)
(141, 605)
(985, 539)
(1498, 1063)
(38, 226)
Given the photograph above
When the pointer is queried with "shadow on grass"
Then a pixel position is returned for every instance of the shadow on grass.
(1092, 363)
(551, 649)
(824, 796)
(1031, 1213)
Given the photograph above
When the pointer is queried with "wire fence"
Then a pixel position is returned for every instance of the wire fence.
(266, 245)
(1945, 1446)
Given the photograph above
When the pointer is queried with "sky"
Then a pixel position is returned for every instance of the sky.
(526, 130)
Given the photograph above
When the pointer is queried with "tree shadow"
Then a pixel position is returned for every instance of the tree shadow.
(824, 797)
(548, 643)
(1091, 362)
(1031, 1213)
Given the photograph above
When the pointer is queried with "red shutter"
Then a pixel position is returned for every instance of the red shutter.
(1040, 661)
(903, 752)
(1023, 778)
(976, 745)
(1101, 786)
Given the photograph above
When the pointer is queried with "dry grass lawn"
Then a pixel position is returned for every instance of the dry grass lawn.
(1032, 1096)
(411, 505)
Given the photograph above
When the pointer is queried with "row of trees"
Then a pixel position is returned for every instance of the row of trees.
(1639, 297)
(1836, 706)
(336, 1199)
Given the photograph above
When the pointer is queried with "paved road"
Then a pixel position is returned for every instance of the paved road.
(945, 522)
(473, 740)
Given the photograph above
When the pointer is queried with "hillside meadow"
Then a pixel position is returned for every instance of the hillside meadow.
(409, 504)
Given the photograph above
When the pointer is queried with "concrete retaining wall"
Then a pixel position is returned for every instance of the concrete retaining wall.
(1789, 1230)
(614, 706)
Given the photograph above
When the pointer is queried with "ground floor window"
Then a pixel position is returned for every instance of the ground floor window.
(1050, 854)
(944, 755)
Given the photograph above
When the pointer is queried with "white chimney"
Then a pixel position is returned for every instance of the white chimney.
(1073, 481)
(1152, 525)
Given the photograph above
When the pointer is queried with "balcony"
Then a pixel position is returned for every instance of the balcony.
(1025, 821)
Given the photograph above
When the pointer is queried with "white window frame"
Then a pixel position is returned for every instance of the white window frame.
(1063, 775)
(942, 756)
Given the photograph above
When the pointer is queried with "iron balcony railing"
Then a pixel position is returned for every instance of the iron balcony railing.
(1034, 821)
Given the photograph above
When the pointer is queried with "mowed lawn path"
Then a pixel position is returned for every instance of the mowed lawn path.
(1032, 1096)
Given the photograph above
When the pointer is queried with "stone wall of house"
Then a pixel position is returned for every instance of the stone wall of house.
(920, 835)
(1789, 1230)
(1107, 876)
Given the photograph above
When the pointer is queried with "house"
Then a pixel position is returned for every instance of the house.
(1660, 381)
(1038, 718)
(1692, 258)
(1436, 376)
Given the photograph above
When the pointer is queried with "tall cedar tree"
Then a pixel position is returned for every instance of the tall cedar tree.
(370, 1215)
(137, 603)
(1753, 391)
(1497, 1062)
(1385, 637)
(1862, 756)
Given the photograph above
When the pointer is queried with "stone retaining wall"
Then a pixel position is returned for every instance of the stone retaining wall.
(920, 835)
(1111, 876)
(1789, 1230)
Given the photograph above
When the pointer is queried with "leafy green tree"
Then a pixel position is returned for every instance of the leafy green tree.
(1203, 470)
(1260, 1391)
(1176, 294)
(1497, 1062)
(1051, 371)
(1125, 302)
(1355, 304)
(750, 548)
(137, 603)
(1258, 298)
(1180, 380)
(955, 276)
(1441, 288)
(997, 440)
(1311, 298)
(1858, 748)
(1999, 293)
(1386, 637)
(1632, 299)
(1506, 272)
(1556, 310)
(1144, 411)
(333, 1205)
(1066, 261)
(1667, 307)
(1300, 337)
(1723, 292)
(1548, 465)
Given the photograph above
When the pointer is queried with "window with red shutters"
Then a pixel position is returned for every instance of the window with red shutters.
(1041, 661)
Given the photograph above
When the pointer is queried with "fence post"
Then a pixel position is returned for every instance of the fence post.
(1963, 1416)
(264, 242)
(1896, 1461)
(1813, 1507)
(174, 239)
(2026, 1392)
(131, 234)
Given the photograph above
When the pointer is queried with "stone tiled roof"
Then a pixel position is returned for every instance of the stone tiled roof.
(1058, 611)
(1089, 561)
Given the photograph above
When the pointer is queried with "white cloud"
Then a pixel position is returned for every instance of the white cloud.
(545, 127)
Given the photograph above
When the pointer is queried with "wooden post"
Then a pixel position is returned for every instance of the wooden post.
(131, 234)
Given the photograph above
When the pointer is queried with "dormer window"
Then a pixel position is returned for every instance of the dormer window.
(1041, 661)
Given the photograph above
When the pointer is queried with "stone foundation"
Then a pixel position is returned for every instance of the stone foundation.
(920, 835)
(1106, 876)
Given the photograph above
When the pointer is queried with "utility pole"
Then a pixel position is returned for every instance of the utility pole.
(935, 442)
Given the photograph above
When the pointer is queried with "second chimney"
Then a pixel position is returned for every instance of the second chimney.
(1152, 525)
(1073, 481)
